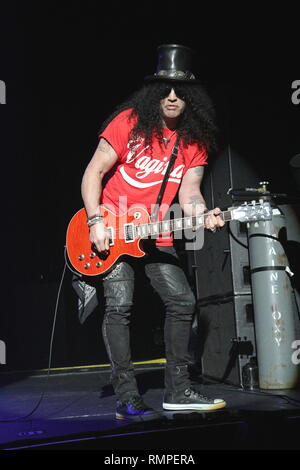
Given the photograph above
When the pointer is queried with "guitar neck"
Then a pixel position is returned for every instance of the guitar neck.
(172, 225)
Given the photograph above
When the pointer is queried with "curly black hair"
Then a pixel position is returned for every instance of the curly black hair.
(196, 124)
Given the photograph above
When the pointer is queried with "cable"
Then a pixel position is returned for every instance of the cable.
(236, 239)
(67, 264)
(253, 392)
(20, 418)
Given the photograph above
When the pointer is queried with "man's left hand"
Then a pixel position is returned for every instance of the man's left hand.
(213, 219)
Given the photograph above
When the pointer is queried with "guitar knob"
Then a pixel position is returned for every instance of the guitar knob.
(81, 257)
(98, 264)
(87, 265)
(92, 255)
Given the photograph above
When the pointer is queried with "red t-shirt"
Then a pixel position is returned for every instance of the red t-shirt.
(139, 172)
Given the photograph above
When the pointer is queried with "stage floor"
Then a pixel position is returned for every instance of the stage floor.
(75, 409)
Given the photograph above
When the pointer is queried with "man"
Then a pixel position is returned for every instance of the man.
(135, 145)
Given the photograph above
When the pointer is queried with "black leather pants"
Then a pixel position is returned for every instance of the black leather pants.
(168, 279)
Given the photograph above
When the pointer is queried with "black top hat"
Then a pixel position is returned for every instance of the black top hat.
(174, 63)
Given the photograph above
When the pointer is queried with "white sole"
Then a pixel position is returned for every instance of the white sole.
(194, 406)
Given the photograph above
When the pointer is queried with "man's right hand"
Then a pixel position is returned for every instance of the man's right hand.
(99, 237)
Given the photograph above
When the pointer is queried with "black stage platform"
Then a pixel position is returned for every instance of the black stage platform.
(74, 409)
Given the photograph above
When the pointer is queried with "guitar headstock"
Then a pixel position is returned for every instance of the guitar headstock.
(252, 212)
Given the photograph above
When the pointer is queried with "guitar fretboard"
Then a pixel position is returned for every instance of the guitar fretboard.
(172, 225)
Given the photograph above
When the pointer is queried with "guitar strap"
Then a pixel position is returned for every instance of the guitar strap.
(164, 182)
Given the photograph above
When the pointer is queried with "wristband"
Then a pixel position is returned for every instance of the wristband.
(95, 219)
(94, 222)
(94, 216)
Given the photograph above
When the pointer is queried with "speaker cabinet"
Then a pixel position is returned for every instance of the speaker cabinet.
(222, 266)
(226, 337)
(225, 325)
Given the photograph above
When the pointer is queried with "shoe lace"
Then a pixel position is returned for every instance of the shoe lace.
(137, 402)
(194, 394)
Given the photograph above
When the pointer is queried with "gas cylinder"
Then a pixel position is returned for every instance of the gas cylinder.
(273, 304)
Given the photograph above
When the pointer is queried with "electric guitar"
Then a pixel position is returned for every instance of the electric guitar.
(127, 230)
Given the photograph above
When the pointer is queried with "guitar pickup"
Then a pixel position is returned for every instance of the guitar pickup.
(129, 233)
(111, 235)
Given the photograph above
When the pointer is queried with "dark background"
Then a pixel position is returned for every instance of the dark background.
(66, 65)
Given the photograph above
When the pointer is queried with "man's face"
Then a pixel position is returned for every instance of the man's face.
(171, 105)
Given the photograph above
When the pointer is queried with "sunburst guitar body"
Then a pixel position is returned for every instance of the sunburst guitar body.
(123, 240)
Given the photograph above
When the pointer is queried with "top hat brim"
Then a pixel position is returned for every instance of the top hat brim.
(166, 78)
